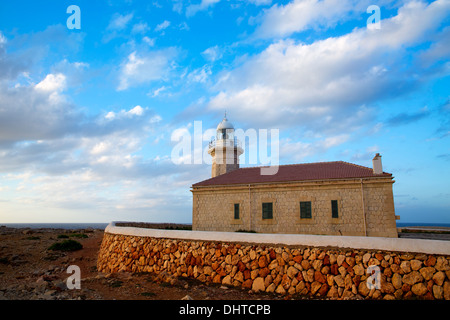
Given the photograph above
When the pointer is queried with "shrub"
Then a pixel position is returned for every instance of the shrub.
(79, 235)
(33, 238)
(66, 245)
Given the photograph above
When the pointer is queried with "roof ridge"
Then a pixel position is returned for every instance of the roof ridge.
(294, 164)
(326, 170)
(357, 165)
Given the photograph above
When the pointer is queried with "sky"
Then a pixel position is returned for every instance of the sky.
(94, 101)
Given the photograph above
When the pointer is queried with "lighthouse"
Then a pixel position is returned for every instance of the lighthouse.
(225, 149)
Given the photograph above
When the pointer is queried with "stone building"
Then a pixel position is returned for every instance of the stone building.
(325, 198)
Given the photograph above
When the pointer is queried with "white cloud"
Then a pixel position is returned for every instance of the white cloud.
(361, 156)
(183, 26)
(22, 51)
(200, 75)
(439, 51)
(81, 65)
(75, 73)
(141, 27)
(212, 54)
(110, 115)
(105, 176)
(299, 150)
(298, 15)
(2, 39)
(136, 111)
(162, 26)
(177, 6)
(414, 23)
(192, 9)
(331, 83)
(149, 41)
(100, 147)
(261, 2)
(52, 82)
(27, 113)
(74, 166)
(145, 67)
(119, 21)
(158, 91)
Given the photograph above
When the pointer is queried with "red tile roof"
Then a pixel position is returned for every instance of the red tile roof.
(294, 172)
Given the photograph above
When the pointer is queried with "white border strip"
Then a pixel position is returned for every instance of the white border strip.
(372, 243)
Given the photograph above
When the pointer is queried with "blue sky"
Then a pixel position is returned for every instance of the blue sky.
(87, 115)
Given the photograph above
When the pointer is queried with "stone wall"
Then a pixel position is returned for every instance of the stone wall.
(294, 270)
(213, 208)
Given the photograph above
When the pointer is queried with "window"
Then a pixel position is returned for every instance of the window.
(236, 210)
(224, 134)
(267, 210)
(334, 209)
(305, 209)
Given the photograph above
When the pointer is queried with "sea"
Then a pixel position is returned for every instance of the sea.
(102, 225)
(422, 224)
(99, 225)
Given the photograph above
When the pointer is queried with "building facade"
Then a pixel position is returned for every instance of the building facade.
(326, 198)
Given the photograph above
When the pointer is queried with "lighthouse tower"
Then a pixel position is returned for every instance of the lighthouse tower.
(225, 149)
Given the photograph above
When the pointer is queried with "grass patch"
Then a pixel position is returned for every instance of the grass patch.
(66, 245)
(72, 235)
(79, 235)
(33, 238)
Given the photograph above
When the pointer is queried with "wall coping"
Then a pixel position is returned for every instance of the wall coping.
(372, 243)
(290, 184)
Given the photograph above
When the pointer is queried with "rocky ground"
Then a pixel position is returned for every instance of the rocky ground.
(30, 271)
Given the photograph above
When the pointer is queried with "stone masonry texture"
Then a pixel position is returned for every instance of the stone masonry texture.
(213, 208)
(306, 271)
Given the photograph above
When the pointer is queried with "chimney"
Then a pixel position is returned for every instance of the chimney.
(377, 166)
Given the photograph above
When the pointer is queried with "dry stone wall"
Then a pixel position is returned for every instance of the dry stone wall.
(324, 272)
